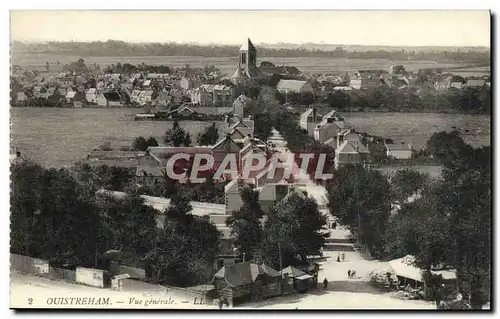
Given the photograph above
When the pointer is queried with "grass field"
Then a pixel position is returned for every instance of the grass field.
(417, 128)
(228, 65)
(59, 137)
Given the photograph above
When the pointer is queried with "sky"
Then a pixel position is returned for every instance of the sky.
(392, 28)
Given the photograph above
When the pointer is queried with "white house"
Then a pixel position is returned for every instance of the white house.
(239, 105)
(308, 120)
(399, 151)
(295, 86)
(91, 95)
(232, 196)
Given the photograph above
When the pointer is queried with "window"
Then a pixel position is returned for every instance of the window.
(243, 58)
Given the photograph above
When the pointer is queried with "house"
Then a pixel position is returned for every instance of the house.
(212, 95)
(232, 192)
(294, 86)
(63, 90)
(134, 96)
(109, 99)
(407, 273)
(189, 83)
(396, 69)
(364, 83)
(201, 96)
(39, 91)
(271, 193)
(331, 125)
(246, 281)
(350, 149)
(456, 85)
(296, 279)
(244, 126)
(21, 98)
(147, 97)
(163, 99)
(308, 120)
(239, 105)
(401, 151)
(73, 96)
(475, 83)
(151, 165)
(52, 95)
(182, 111)
(91, 95)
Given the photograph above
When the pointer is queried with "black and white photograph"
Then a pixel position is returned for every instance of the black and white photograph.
(258, 160)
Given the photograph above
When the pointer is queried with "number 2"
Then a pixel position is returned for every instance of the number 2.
(30, 301)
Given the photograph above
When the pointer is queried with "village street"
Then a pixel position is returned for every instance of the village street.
(342, 292)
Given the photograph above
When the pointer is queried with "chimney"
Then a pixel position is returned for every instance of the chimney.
(340, 139)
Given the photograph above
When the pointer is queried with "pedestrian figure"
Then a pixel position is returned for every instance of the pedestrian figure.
(325, 283)
(338, 258)
(353, 273)
(343, 256)
(221, 303)
(349, 274)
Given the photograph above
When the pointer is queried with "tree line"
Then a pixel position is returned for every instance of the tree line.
(57, 215)
(120, 48)
(476, 100)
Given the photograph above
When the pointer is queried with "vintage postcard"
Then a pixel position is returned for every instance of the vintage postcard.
(250, 160)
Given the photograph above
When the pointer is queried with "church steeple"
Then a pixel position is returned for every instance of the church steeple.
(248, 56)
(247, 63)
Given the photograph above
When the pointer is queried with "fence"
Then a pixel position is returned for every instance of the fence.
(90, 277)
(64, 274)
(135, 273)
(28, 265)
(40, 267)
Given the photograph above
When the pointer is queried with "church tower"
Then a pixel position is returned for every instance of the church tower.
(248, 57)
(247, 64)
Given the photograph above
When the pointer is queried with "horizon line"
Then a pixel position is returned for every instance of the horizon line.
(257, 43)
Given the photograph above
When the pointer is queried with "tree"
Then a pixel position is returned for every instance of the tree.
(176, 136)
(451, 223)
(210, 136)
(447, 147)
(293, 231)
(185, 247)
(152, 142)
(132, 223)
(53, 217)
(246, 225)
(360, 199)
(406, 183)
(253, 92)
(140, 144)
(186, 140)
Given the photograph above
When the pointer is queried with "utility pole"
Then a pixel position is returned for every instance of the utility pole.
(281, 267)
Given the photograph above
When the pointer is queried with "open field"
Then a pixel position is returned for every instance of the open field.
(417, 128)
(227, 65)
(59, 137)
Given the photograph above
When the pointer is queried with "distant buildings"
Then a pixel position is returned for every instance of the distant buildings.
(294, 86)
